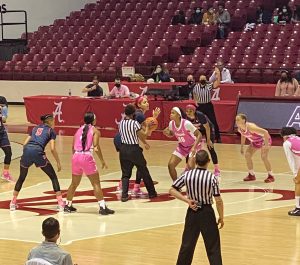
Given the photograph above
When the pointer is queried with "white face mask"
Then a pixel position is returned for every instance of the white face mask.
(284, 10)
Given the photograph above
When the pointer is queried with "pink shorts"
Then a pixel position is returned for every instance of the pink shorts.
(183, 151)
(83, 163)
(260, 144)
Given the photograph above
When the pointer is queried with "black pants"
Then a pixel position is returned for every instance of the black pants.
(212, 151)
(202, 221)
(208, 110)
(130, 156)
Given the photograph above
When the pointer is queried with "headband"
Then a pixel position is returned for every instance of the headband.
(190, 106)
(177, 110)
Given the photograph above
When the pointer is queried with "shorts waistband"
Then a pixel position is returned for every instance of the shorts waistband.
(83, 152)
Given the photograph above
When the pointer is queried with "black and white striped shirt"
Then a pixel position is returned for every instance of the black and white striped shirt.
(202, 94)
(201, 185)
(128, 130)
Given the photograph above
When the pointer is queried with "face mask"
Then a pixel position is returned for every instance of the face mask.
(190, 82)
(283, 78)
(117, 85)
(198, 11)
(284, 10)
(202, 82)
(158, 70)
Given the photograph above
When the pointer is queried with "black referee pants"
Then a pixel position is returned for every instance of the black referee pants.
(208, 110)
(130, 156)
(202, 221)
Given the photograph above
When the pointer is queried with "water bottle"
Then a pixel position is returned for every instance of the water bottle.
(70, 93)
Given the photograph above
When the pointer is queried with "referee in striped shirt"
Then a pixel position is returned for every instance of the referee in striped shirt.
(131, 154)
(202, 97)
(201, 186)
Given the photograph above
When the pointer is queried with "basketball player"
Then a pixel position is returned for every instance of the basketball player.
(142, 106)
(188, 137)
(291, 146)
(259, 139)
(33, 153)
(205, 126)
(85, 140)
(4, 141)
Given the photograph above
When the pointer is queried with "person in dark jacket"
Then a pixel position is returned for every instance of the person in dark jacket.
(196, 17)
(179, 18)
(159, 75)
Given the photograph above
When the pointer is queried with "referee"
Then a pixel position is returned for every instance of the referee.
(201, 187)
(202, 97)
(131, 154)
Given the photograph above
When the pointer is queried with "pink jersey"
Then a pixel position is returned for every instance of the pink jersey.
(89, 139)
(294, 144)
(185, 132)
(252, 137)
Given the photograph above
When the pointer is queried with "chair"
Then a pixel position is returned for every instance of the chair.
(37, 261)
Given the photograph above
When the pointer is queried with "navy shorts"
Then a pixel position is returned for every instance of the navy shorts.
(4, 139)
(117, 142)
(33, 155)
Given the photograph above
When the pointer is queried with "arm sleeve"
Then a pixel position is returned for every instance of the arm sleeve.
(137, 126)
(139, 117)
(52, 134)
(68, 260)
(190, 127)
(101, 91)
(179, 183)
(112, 92)
(164, 77)
(215, 186)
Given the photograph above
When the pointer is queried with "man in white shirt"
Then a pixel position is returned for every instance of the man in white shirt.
(119, 90)
(225, 74)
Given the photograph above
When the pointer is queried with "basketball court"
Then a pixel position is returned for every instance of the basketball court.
(257, 228)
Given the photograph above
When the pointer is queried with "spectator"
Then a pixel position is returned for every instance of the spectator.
(196, 17)
(159, 75)
(119, 90)
(263, 15)
(186, 91)
(93, 90)
(209, 18)
(179, 18)
(223, 20)
(49, 250)
(287, 85)
(296, 15)
(225, 74)
(284, 15)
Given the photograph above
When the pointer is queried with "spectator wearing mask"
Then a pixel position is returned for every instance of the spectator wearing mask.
(296, 15)
(49, 250)
(179, 18)
(284, 15)
(223, 20)
(196, 17)
(209, 18)
(93, 90)
(287, 85)
(186, 91)
(225, 74)
(159, 75)
(119, 90)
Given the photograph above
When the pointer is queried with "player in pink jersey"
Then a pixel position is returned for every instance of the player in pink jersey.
(291, 146)
(85, 141)
(259, 139)
(189, 141)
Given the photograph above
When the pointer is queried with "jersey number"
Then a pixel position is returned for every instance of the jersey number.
(39, 131)
(181, 139)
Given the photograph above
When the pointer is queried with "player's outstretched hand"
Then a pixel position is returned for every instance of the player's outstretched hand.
(156, 113)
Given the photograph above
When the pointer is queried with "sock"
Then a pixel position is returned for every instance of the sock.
(251, 172)
(59, 199)
(5, 171)
(270, 173)
(69, 203)
(14, 200)
(297, 201)
(102, 204)
(216, 166)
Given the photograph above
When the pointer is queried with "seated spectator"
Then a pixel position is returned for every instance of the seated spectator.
(225, 74)
(49, 250)
(284, 15)
(263, 15)
(119, 90)
(159, 75)
(179, 18)
(223, 20)
(196, 17)
(93, 90)
(296, 15)
(209, 18)
(287, 85)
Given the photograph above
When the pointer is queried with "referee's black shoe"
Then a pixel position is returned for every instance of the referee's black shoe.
(106, 211)
(151, 196)
(295, 212)
(125, 199)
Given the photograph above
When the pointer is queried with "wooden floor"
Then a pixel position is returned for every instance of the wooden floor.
(257, 228)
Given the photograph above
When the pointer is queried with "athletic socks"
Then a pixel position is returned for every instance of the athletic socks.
(251, 172)
(60, 200)
(102, 204)
(69, 203)
(297, 198)
(270, 173)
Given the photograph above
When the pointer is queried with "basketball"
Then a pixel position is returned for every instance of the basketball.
(153, 123)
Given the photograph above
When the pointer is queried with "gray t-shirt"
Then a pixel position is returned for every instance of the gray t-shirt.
(52, 253)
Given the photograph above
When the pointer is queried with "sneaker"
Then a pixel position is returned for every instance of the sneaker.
(6, 176)
(69, 209)
(13, 206)
(295, 212)
(137, 191)
(154, 195)
(250, 177)
(269, 179)
(217, 172)
(106, 211)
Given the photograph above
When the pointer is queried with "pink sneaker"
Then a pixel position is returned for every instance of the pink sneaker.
(217, 172)
(137, 191)
(6, 176)
(269, 179)
(250, 177)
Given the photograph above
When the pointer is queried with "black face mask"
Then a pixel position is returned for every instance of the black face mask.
(117, 85)
(283, 78)
(202, 82)
(190, 82)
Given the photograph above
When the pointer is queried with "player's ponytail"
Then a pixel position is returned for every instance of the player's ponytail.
(89, 118)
